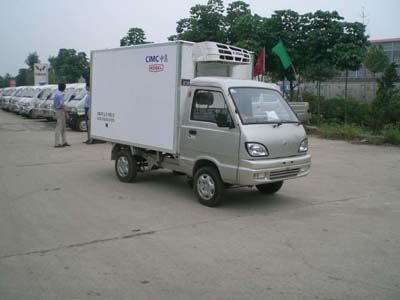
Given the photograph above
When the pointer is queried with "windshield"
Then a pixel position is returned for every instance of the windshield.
(36, 92)
(68, 93)
(44, 94)
(80, 93)
(261, 106)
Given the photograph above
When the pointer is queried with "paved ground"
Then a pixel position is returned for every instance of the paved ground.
(70, 230)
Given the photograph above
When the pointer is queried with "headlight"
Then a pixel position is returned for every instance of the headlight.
(303, 146)
(256, 150)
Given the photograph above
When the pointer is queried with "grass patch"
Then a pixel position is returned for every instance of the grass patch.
(340, 132)
(389, 135)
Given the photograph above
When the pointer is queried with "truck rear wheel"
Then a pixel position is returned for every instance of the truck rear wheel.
(270, 188)
(125, 166)
(208, 186)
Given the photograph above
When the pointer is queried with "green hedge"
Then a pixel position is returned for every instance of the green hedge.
(333, 110)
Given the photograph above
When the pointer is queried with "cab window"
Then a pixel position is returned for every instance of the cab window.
(207, 105)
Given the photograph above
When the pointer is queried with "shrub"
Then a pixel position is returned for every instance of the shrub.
(391, 134)
(334, 110)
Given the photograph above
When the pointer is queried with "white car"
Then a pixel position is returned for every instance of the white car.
(76, 110)
(19, 92)
(45, 94)
(8, 93)
(23, 103)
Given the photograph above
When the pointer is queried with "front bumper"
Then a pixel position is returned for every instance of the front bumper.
(253, 172)
(25, 110)
(48, 113)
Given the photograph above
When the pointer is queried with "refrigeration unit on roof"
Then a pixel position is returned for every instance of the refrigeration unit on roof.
(222, 53)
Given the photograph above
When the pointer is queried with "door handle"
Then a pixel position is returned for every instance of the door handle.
(192, 132)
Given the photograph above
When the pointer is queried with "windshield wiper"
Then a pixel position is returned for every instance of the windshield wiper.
(279, 123)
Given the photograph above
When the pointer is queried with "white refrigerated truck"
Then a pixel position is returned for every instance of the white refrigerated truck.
(193, 108)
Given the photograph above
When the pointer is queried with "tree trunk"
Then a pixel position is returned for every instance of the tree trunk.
(298, 89)
(345, 97)
(319, 101)
(345, 84)
(291, 90)
(374, 87)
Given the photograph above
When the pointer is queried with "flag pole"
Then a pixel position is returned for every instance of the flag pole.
(294, 70)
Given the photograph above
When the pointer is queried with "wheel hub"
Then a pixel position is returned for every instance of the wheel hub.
(123, 166)
(206, 186)
(82, 125)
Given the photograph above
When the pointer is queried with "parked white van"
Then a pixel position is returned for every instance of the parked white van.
(34, 110)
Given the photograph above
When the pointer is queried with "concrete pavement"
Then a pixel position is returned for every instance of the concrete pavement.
(70, 230)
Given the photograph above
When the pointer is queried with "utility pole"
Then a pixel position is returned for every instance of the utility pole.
(363, 15)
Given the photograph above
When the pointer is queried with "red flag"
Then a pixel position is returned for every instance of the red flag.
(259, 68)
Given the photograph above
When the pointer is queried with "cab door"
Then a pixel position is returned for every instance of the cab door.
(202, 138)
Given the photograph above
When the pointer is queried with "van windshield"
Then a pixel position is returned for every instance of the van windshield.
(261, 106)
(79, 94)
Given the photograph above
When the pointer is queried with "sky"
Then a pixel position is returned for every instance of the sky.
(45, 26)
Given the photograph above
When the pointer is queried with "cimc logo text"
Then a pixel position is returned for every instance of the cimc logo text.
(156, 62)
(163, 58)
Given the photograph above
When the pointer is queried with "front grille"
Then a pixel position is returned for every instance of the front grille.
(283, 174)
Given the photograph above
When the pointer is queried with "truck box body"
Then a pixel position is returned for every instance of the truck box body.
(137, 91)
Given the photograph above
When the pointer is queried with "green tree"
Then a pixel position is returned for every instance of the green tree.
(25, 77)
(70, 65)
(206, 23)
(53, 76)
(388, 80)
(376, 59)
(386, 105)
(32, 59)
(135, 36)
(350, 51)
(285, 25)
(238, 18)
(6, 80)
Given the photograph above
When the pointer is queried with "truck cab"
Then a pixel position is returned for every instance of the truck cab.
(245, 132)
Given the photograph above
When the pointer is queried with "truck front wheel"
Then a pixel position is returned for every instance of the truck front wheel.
(208, 186)
(270, 188)
(125, 166)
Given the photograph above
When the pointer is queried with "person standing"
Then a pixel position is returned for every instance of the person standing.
(61, 112)
(87, 104)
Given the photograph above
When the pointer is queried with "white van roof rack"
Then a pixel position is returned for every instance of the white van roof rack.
(217, 52)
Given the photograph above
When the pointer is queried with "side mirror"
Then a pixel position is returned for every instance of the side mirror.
(223, 120)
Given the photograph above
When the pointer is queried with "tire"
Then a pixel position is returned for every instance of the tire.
(208, 186)
(72, 126)
(125, 166)
(269, 188)
(81, 124)
(189, 181)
